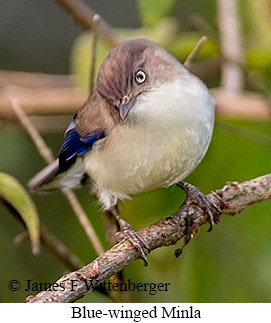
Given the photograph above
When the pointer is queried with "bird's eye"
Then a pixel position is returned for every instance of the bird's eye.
(140, 77)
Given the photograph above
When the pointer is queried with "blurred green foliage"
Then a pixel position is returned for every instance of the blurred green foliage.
(230, 264)
(152, 10)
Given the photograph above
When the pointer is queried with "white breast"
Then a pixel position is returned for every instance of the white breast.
(166, 136)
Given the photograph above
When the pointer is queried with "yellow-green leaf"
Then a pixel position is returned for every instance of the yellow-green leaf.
(13, 193)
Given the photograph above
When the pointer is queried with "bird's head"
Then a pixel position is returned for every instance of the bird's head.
(132, 68)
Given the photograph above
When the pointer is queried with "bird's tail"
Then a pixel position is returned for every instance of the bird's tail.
(45, 180)
(52, 178)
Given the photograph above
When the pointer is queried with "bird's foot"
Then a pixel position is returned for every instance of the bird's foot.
(127, 231)
(196, 196)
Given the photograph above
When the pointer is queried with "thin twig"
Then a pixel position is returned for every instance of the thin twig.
(252, 135)
(35, 80)
(165, 232)
(96, 21)
(194, 52)
(59, 249)
(84, 220)
(83, 15)
(245, 105)
(59, 102)
(111, 229)
(44, 150)
(232, 77)
(116, 296)
(47, 155)
(41, 101)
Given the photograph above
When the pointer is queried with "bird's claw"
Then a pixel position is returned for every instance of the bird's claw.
(197, 197)
(135, 239)
(194, 195)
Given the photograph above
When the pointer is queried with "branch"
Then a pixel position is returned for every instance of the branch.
(35, 80)
(42, 100)
(164, 232)
(59, 249)
(252, 135)
(49, 101)
(232, 77)
(47, 155)
(194, 52)
(96, 21)
(245, 105)
(83, 15)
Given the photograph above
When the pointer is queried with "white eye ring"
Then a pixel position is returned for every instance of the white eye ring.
(140, 77)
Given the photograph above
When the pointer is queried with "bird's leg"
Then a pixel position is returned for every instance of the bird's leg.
(195, 195)
(128, 232)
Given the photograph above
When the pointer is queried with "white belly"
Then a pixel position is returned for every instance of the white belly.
(154, 149)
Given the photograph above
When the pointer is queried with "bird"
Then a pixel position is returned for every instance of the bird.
(148, 124)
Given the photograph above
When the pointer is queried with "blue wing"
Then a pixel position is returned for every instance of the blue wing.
(74, 145)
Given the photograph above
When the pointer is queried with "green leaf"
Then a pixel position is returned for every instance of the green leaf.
(153, 10)
(13, 193)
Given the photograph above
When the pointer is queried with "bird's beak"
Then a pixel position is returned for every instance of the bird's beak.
(125, 106)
